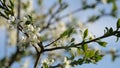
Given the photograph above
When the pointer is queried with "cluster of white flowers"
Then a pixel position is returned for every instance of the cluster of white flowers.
(113, 49)
(104, 1)
(30, 29)
(12, 37)
(25, 64)
(66, 63)
(13, 21)
(33, 33)
(47, 61)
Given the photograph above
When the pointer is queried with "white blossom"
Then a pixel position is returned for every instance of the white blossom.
(12, 18)
(66, 63)
(25, 19)
(104, 1)
(113, 49)
(30, 27)
(25, 64)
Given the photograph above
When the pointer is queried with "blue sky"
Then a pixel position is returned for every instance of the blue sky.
(96, 28)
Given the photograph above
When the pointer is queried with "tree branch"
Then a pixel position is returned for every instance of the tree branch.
(37, 60)
(53, 42)
(82, 43)
(50, 19)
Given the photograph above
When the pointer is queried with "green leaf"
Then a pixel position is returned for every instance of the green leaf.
(40, 2)
(85, 47)
(98, 57)
(28, 22)
(93, 18)
(73, 39)
(67, 33)
(118, 23)
(85, 34)
(118, 36)
(78, 51)
(60, 1)
(45, 65)
(102, 43)
(114, 7)
(89, 53)
(111, 30)
(30, 17)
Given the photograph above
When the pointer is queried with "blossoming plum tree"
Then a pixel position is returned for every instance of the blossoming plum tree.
(52, 38)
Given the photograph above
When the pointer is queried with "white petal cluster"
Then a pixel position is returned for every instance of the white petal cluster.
(26, 63)
(13, 21)
(12, 37)
(11, 18)
(66, 63)
(48, 61)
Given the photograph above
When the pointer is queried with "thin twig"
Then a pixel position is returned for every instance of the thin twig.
(50, 19)
(82, 43)
(53, 42)
(38, 54)
(37, 60)
(14, 56)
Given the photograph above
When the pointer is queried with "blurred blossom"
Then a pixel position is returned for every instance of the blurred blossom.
(24, 19)
(11, 18)
(97, 48)
(113, 49)
(25, 64)
(30, 5)
(66, 63)
(104, 1)
(12, 37)
(30, 27)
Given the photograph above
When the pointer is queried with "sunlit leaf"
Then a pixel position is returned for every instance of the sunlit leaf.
(60, 1)
(85, 34)
(102, 43)
(85, 47)
(89, 53)
(67, 33)
(118, 23)
(114, 7)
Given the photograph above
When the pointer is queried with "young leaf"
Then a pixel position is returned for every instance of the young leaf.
(30, 17)
(84, 47)
(89, 53)
(73, 39)
(118, 36)
(78, 51)
(102, 43)
(118, 23)
(85, 34)
(67, 33)
(111, 30)
(27, 22)
(60, 1)
(114, 7)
